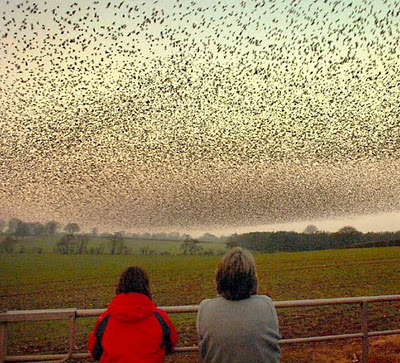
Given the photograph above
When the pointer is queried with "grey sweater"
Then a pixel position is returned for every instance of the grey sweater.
(243, 331)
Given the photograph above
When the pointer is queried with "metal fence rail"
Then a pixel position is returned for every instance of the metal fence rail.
(72, 314)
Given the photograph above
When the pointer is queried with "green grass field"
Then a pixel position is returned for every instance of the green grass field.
(88, 281)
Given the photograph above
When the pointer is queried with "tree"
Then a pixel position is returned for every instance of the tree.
(145, 250)
(97, 250)
(36, 229)
(71, 228)
(232, 241)
(83, 241)
(195, 248)
(190, 246)
(311, 229)
(22, 229)
(185, 246)
(68, 244)
(94, 232)
(347, 236)
(12, 225)
(51, 228)
(7, 244)
(348, 230)
(117, 245)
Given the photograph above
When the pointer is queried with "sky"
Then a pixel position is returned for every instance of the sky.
(190, 116)
(376, 222)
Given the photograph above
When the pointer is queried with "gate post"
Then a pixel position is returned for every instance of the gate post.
(3, 341)
(364, 330)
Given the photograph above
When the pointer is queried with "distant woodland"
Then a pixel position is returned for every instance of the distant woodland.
(69, 239)
(18, 236)
(312, 239)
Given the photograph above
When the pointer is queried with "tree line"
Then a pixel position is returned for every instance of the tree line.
(69, 241)
(71, 244)
(19, 228)
(312, 239)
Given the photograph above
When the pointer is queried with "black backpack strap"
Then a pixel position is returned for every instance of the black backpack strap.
(100, 329)
(166, 342)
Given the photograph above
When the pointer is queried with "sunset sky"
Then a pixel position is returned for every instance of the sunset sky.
(215, 116)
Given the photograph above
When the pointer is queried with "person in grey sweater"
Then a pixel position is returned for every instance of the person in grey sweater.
(238, 326)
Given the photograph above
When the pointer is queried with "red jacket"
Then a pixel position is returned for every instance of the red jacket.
(132, 332)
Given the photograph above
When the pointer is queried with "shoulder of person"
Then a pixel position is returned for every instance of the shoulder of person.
(206, 302)
(163, 313)
(265, 298)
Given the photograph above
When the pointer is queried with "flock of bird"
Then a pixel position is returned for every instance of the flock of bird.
(191, 114)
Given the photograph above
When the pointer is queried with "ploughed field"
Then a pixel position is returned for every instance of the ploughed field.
(51, 281)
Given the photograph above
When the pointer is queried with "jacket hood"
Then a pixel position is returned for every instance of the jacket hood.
(132, 306)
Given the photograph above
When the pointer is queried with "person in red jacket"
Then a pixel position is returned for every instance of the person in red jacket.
(132, 329)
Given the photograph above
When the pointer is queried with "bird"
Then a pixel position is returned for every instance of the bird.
(231, 113)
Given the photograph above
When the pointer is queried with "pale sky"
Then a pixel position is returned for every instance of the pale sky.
(384, 222)
(200, 116)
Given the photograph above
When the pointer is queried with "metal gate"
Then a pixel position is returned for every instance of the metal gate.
(73, 314)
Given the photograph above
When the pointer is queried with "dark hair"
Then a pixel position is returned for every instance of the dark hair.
(236, 277)
(134, 279)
